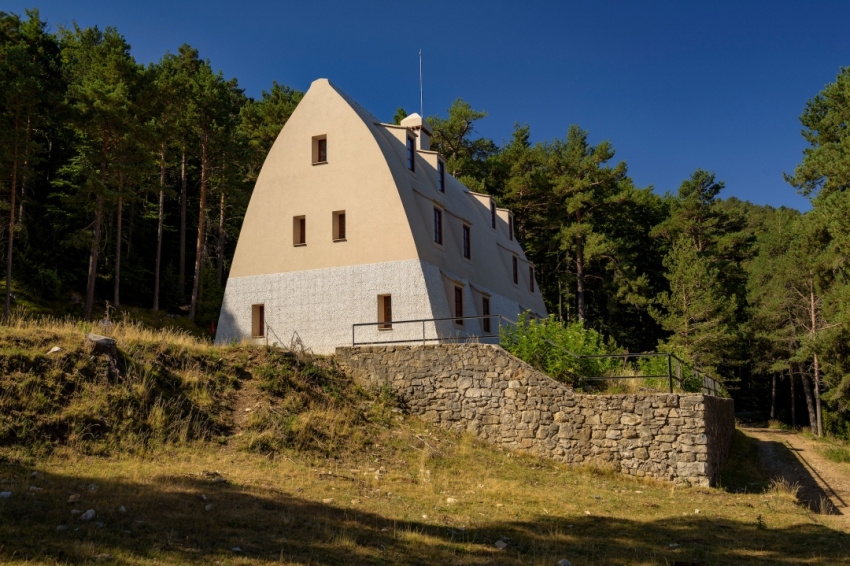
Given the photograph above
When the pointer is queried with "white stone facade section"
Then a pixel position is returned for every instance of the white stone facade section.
(320, 306)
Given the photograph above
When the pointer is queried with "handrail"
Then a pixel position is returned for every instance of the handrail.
(708, 383)
(389, 324)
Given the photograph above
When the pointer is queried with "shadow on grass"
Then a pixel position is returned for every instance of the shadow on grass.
(755, 466)
(166, 523)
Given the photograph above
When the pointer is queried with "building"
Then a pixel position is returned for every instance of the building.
(355, 221)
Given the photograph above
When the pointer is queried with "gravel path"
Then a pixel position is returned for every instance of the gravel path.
(798, 459)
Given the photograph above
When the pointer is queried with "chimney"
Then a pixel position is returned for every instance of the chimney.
(422, 128)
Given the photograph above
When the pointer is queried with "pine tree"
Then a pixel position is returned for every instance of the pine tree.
(28, 87)
(101, 78)
(696, 310)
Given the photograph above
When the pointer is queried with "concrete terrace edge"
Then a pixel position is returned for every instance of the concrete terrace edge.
(483, 390)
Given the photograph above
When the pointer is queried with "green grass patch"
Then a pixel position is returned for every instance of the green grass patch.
(838, 454)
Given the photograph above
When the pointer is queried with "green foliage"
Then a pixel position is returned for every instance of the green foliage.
(838, 454)
(400, 114)
(262, 120)
(697, 310)
(555, 348)
(466, 158)
(825, 168)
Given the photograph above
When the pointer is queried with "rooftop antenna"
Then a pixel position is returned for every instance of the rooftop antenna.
(421, 105)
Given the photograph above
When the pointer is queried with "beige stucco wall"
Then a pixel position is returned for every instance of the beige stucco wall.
(355, 179)
(389, 209)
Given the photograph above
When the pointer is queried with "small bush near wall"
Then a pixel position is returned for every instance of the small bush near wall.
(561, 351)
(546, 344)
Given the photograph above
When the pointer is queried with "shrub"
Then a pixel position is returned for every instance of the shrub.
(556, 348)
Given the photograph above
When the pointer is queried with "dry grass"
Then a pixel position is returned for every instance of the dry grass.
(388, 504)
(297, 466)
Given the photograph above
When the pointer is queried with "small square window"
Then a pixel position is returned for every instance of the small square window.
(320, 149)
(467, 244)
(299, 231)
(515, 270)
(459, 305)
(339, 226)
(438, 226)
(258, 321)
(441, 176)
(411, 154)
(385, 312)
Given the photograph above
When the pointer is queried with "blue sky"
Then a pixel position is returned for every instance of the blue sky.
(674, 85)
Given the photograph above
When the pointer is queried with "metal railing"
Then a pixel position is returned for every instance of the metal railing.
(462, 334)
(707, 383)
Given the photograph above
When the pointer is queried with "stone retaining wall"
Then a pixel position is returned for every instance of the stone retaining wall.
(483, 390)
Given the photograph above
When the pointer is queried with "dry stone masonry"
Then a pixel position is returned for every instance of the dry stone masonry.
(483, 390)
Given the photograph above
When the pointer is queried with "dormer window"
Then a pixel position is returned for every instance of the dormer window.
(438, 226)
(441, 176)
(320, 149)
(411, 152)
(493, 213)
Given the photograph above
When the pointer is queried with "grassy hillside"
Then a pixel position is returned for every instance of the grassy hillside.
(193, 454)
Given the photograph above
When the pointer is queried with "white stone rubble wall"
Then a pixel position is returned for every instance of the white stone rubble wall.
(320, 306)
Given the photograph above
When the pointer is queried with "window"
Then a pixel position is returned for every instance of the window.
(441, 174)
(516, 274)
(511, 226)
(485, 310)
(411, 164)
(438, 226)
(467, 250)
(299, 231)
(385, 312)
(320, 149)
(258, 321)
(531, 277)
(493, 213)
(339, 226)
(459, 305)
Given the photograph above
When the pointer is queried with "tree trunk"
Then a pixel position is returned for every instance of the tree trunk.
(220, 258)
(7, 310)
(582, 310)
(793, 400)
(160, 220)
(95, 248)
(200, 245)
(817, 427)
(182, 268)
(818, 415)
(560, 307)
(116, 299)
(773, 397)
(810, 404)
(88, 306)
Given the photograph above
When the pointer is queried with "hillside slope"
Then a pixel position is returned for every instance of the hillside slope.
(192, 454)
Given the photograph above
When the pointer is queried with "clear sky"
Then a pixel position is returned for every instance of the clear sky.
(674, 85)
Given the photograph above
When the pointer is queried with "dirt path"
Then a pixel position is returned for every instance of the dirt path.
(798, 459)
